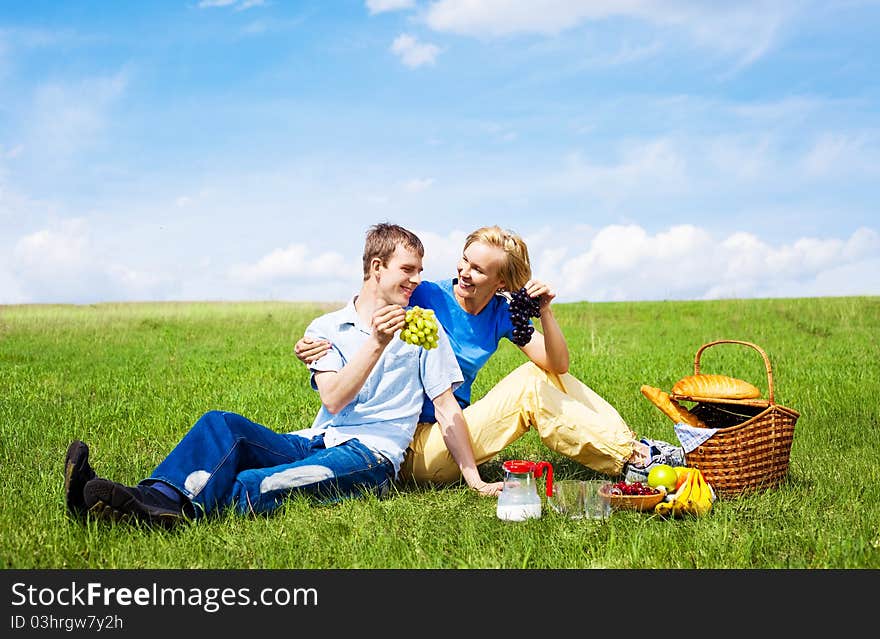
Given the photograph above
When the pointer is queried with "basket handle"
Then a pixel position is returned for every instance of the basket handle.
(736, 341)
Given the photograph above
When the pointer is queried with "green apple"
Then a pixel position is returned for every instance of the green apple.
(663, 475)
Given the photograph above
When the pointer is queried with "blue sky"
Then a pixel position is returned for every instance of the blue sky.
(238, 149)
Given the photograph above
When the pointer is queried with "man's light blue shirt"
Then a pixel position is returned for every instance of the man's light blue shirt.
(385, 412)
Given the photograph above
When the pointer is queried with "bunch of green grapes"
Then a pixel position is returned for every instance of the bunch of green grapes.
(421, 328)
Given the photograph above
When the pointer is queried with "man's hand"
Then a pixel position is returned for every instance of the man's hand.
(309, 350)
(387, 321)
(339, 388)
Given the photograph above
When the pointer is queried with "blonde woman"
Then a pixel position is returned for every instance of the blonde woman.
(569, 417)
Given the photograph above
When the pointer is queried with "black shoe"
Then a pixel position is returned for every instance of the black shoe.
(110, 500)
(76, 473)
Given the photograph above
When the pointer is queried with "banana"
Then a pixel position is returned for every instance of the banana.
(667, 506)
(696, 497)
(688, 497)
(704, 503)
(680, 503)
(693, 497)
(710, 496)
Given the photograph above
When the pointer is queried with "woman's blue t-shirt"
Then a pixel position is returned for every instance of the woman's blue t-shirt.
(474, 337)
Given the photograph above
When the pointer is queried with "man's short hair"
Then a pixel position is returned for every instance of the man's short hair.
(383, 239)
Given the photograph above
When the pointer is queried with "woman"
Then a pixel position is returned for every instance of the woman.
(570, 418)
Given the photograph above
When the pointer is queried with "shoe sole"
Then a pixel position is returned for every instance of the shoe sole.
(121, 505)
(106, 512)
(74, 462)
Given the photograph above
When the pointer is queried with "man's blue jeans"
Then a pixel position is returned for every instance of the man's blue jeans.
(226, 460)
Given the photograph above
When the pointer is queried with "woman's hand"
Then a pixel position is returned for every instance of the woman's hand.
(547, 348)
(308, 350)
(488, 490)
(537, 288)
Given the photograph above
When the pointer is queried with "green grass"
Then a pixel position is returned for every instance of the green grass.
(130, 379)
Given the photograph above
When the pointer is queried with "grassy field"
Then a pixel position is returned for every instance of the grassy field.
(130, 379)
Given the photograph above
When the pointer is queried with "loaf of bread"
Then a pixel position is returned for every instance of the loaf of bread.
(671, 408)
(716, 387)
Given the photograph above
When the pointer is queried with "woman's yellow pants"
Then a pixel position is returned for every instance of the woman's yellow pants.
(570, 418)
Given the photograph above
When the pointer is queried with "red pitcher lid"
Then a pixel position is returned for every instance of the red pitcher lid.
(518, 466)
(523, 466)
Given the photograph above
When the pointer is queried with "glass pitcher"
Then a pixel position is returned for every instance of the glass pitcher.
(519, 499)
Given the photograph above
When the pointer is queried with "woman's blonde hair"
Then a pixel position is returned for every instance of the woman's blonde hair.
(516, 270)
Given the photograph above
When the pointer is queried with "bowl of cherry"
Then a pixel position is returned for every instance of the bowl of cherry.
(633, 496)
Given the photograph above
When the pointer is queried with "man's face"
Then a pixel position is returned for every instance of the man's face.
(398, 278)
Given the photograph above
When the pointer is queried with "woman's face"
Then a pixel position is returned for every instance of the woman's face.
(479, 271)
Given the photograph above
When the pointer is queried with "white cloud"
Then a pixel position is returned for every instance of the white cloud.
(442, 252)
(741, 157)
(207, 4)
(715, 165)
(62, 264)
(67, 118)
(505, 17)
(4, 55)
(240, 5)
(294, 262)
(836, 153)
(49, 250)
(416, 185)
(863, 242)
(747, 29)
(294, 273)
(412, 52)
(655, 162)
(248, 4)
(59, 264)
(626, 54)
(625, 262)
(381, 6)
(847, 279)
(501, 133)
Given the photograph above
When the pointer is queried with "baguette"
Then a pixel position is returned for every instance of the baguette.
(716, 387)
(670, 407)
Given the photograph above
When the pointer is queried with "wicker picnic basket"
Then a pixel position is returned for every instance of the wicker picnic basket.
(751, 448)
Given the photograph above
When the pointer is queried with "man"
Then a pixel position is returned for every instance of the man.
(371, 387)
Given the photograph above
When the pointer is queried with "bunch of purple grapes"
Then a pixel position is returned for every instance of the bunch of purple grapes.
(522, 309)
